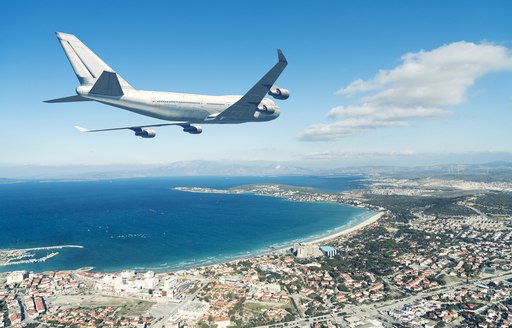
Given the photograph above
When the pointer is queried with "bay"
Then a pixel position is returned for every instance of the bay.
(144, 224)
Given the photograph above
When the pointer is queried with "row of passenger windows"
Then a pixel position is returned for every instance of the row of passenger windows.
(186, 102)
(178, 102)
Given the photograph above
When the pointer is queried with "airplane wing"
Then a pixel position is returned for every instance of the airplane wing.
(142, 132)
(246, 106)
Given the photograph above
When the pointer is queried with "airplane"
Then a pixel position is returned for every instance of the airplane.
(99, 82)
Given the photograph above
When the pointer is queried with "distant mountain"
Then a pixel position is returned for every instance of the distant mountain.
(495, 171)
(203, 168)
(488, 172)
(183, 168)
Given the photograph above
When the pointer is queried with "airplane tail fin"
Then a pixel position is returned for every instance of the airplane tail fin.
(108, 85)
(87, 65)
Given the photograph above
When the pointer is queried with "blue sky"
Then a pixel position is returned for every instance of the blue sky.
(451, 96)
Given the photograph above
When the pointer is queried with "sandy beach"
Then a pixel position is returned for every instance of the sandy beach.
(372, 219)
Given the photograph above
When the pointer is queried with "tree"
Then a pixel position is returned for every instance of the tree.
(342, 288)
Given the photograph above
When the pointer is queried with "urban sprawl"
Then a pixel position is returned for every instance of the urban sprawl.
(440, 254)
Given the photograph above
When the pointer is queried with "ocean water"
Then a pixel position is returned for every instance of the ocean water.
(144, 224)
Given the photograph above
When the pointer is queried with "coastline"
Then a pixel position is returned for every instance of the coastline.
(372, 219)
(342, 223)
(286, 246)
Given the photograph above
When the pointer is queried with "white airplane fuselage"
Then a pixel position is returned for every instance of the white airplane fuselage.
(99, 82)
(172, 106)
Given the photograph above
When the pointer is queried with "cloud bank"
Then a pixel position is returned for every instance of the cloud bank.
(423, 85)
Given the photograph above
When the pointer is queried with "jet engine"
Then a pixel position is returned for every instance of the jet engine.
(279, 93)
(193, 129)
(145, 133)
(266, 109)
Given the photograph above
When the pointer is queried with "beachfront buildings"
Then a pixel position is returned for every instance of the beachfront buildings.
(15, 277)
(328, 251)
(311, 250)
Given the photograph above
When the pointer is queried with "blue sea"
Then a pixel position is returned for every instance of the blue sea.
(144, 224)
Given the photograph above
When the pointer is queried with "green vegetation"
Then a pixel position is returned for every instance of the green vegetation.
(135, 309)
(495, 203)
(128, 307)
(374, 254)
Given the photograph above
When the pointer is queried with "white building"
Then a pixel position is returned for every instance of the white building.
(223, 322)
(231, 280)
(354, 322)
(304, 251)
(271, 288)
(16, 277)
(127, 274)
(328, 251)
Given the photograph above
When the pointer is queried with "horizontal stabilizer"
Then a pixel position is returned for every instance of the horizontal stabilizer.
(67, 99)
(107, 85)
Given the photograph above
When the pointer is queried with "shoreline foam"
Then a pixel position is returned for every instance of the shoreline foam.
(284, 247)
(372, 219)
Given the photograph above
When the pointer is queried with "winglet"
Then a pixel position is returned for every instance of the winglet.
(81, 129)
(281, 57)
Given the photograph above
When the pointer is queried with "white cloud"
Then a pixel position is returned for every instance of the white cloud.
(423, 85)
(386, 113)
(344, 128)
(355, 119)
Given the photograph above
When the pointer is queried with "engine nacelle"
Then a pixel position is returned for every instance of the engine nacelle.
(146, 133)
(266, 109)
(279, 93)
(193, 129)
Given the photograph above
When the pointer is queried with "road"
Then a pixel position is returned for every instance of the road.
(379, 311)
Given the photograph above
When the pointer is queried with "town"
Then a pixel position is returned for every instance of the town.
(439, 254)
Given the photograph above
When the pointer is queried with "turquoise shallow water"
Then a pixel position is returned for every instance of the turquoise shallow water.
(145, 224)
